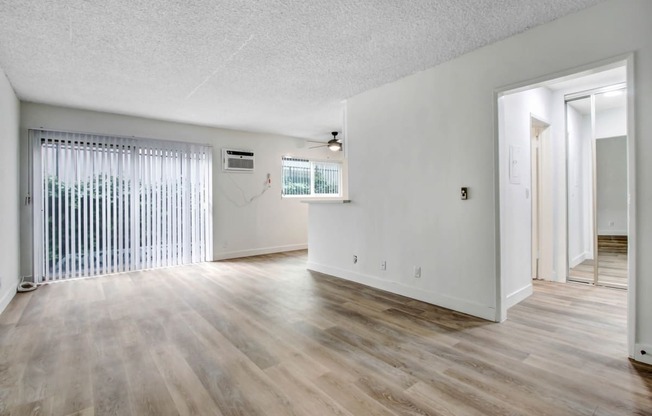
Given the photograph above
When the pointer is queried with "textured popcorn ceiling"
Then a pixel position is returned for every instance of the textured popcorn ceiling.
(280, 66)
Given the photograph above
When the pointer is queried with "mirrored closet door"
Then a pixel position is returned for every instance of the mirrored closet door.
(597, 186)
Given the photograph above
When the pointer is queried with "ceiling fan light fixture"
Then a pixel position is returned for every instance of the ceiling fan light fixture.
(334, 144)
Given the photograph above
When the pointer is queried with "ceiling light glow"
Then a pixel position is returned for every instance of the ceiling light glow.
(615, 93)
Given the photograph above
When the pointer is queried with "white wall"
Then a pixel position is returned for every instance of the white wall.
(611, 193)
(268, 224)
(9, 178)
(414, 142)
(515, 112)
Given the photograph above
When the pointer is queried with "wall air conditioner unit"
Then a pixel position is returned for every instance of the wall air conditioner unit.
(237, 160)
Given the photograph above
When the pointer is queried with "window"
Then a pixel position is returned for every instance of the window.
(108, 204)
(303, 177)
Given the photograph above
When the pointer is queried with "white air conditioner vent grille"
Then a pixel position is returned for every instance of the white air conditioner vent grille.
(237, 160)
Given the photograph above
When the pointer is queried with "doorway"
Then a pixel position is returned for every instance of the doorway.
(523, 111)
(541, 207)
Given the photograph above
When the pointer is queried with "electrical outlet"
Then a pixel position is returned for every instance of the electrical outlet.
(417, 272)
(355, 259)
(383, 265)
(643, 353)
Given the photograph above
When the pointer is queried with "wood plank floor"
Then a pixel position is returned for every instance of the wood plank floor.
(612, 263)
(263, 336)
(612, 270)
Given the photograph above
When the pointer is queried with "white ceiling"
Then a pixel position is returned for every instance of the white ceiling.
(278, 66)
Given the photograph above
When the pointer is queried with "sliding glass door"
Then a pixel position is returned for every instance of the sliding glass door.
(109, 204)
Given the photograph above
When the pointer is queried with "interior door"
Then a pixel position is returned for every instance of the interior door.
(536, 170)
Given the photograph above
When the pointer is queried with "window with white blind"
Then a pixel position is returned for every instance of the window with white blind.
(111, 204)
(307, 178)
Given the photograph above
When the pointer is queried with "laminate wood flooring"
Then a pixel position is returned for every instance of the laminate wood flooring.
(612, 263)
(263, 336)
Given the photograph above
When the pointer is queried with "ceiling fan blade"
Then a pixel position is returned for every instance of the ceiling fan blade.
(329, 144)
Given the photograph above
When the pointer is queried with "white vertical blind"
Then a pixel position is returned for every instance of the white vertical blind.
(111, 204)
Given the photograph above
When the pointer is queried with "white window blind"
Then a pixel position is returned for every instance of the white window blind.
(303, 177)
(111, 204)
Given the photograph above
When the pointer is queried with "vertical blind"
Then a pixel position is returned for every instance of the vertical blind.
(111, 204)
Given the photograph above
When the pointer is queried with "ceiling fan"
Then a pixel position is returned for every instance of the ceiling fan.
(333, 144)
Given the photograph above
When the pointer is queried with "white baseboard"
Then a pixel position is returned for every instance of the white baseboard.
(613, 232)
(578, 259)
(6, 298)
(258, 251)
(448, 302)
(518, 296)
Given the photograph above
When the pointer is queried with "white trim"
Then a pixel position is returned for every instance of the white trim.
(518, 296)
(612, 232)
(326, 201)
(501, 309)
(6, 299)
(258, 251)
(448, 302)
(37, 203)
(579, 259)
(631, 214)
